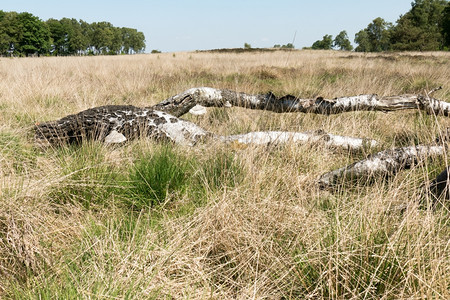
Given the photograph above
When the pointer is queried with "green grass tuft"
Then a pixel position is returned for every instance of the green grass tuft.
(156, 177)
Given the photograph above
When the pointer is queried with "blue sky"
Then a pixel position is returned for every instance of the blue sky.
(175, 25)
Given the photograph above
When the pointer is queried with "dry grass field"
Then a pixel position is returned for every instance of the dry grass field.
(154, 221)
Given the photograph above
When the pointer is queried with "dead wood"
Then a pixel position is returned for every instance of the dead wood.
(180, 104)
(316, 137)
(116, 124)
(119, 123)
(382, 164)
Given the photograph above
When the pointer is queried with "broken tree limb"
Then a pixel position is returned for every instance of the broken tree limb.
(180, 104)
(116, 124)
(382, 164)
(319, 136)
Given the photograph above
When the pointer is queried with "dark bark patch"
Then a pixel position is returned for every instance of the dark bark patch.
(441, 184)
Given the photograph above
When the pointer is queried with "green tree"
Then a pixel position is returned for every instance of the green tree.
(115, 45)
(10, 33)
(34, 35)
(127, 39)
(379, 34)
(77, 41)
(5, 34)
(102, 37)
(247, 46)
(133, 41)
(375, 37)
(362, 39)
(326, 43)
(342, 42)
(446, 25)
(25, 34)
(59, 36)
(88, 31)
(288, 46)
(138, 45)
(67, 36)
(421, 28)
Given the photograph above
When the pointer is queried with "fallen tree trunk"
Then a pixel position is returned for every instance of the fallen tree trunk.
(319, 136)
(382, 164)
(117, 124)
(180, 104)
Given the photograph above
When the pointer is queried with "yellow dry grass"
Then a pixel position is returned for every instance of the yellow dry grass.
(274, 235)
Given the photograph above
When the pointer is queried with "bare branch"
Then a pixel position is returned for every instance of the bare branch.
(382, 164)
(434, 90)
(180, 104)
(319, 137)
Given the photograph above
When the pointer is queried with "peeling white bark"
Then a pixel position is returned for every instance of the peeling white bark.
(183, 132)
(280, 137)
(382, 164)
(116, 124)
(198, 110)
(205, 96)
(115, 137)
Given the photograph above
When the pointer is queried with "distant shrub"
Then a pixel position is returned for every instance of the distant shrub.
(287, 46)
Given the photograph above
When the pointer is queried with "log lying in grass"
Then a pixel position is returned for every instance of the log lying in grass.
(319, 136)
(180, 104)
(116, 124)
(382, 164)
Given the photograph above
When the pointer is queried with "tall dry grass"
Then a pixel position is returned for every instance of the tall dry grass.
(268, 232)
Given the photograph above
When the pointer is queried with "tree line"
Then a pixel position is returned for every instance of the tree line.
(23, 34)
(425, 27)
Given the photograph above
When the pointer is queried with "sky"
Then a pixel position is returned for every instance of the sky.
(176, 25)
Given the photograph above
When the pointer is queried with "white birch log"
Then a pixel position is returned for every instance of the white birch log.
(382, 164)
(116, 124)
(180, 104)
(281, 137)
